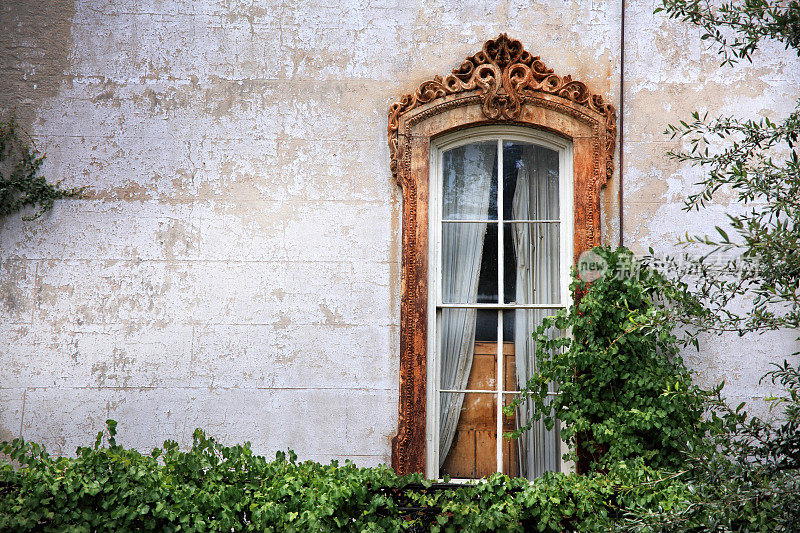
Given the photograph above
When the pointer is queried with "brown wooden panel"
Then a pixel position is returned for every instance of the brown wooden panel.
(484, 367)
(460, 463)
(509, 367)
(510, 454)
(485, 452)
(482, 375)
(474, 448)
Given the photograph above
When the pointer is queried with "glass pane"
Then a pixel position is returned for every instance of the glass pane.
(468, 435)
(530, 182)
(532, 270)
(468, 351)
(469, 182)
(534, 452)
(469, 262)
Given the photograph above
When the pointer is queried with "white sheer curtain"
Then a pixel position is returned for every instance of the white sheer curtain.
(466, 196)
(536, 249)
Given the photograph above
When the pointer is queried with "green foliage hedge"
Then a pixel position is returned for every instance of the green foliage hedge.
(212, 487)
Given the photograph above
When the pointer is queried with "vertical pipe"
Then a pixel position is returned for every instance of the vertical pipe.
(621, 117)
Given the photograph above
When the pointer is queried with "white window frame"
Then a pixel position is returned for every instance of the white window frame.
(565, 188)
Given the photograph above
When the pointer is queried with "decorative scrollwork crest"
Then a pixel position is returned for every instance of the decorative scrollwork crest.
(505, 76)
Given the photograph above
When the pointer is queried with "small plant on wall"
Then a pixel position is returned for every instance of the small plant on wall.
(21, 182)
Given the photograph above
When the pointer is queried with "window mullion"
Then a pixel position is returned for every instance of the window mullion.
(500, 300)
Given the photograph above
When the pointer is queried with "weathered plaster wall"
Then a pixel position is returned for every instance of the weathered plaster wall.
(669, 73)
(235, 262)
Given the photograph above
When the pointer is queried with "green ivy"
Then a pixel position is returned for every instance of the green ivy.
(619, 370)
(209, 488)
(212, 487)
(21, 184)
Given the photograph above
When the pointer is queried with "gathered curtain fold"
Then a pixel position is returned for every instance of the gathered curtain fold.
(462, 251)
(536, 249)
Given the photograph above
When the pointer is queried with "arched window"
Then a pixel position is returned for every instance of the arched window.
(500, 231)
(501, 164)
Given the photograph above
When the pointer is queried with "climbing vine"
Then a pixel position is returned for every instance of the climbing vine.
(616, 368)
(21, 182)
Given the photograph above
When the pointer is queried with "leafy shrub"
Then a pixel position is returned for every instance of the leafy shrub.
(744, 475)
(614, 369)
(209, 488)
(212, 487)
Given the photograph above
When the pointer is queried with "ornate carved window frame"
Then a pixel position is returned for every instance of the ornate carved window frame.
(501, 84)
